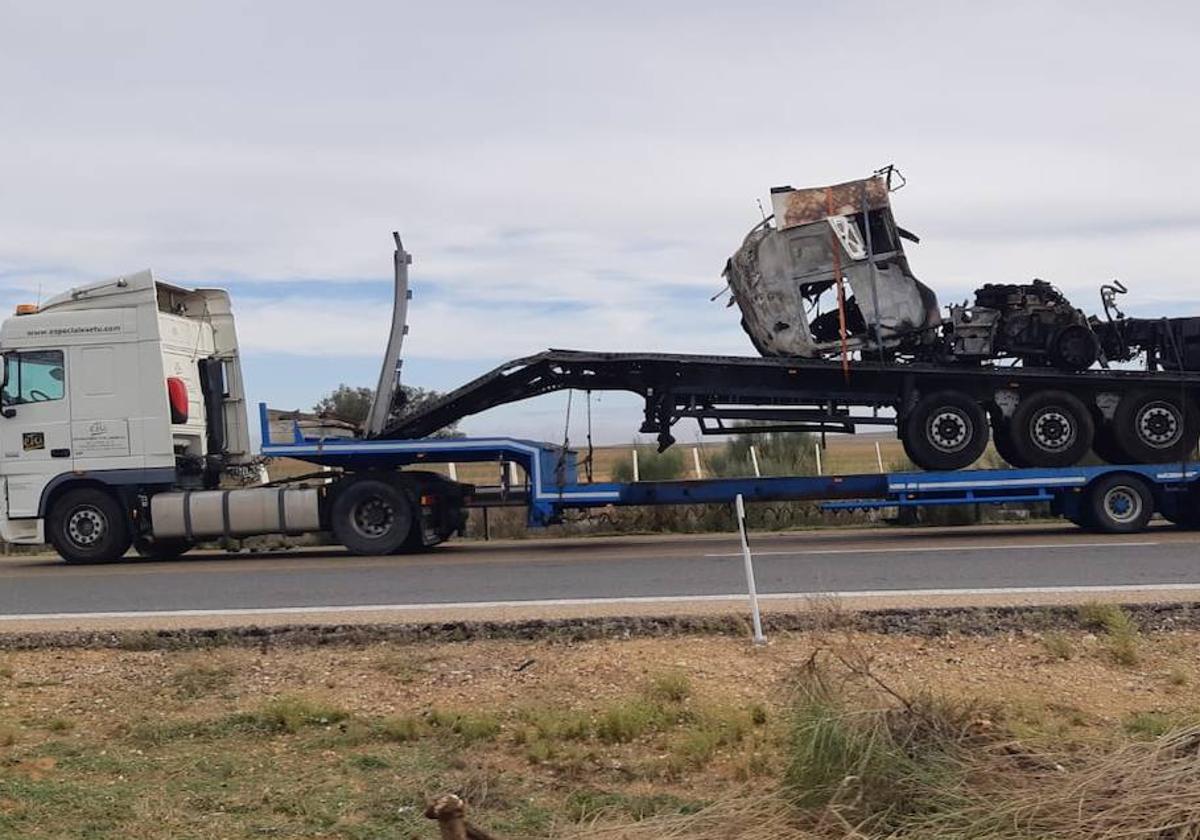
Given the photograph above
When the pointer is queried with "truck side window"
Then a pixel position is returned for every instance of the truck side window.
(34, 376)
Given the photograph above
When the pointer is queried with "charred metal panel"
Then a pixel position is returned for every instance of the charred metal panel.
(780, 276)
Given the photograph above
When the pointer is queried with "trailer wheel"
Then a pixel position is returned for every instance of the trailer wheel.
(1183, 510)
(1105, 445)
(1119, 504)
(1051, 429)
(1002, 439)
(87, 525)
(946, 430)
(1154, 428)
(371, 516)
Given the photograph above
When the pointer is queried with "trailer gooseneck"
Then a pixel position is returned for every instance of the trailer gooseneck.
(124, 424)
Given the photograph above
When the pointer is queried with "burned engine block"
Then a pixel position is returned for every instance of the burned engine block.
(1033, 322)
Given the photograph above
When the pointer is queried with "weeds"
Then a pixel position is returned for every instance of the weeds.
(628, 721)
(401, 729)
(1120, 631)
(470, 727)
(1058, 646)
(1149, 724)
(670, 687)
(290, 715)
(201, 680)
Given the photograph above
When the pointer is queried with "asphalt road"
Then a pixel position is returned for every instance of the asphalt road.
(844, 562)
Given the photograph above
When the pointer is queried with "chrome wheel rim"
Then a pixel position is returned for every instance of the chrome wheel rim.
(1159, 424)
(86, 526)
(1123, 504)
(1053, 430)
(949, 430)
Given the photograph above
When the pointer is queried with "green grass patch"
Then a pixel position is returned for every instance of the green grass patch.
(1058, 646)
(469, 726)
(669, 687)
(197, 681)
(588, 804)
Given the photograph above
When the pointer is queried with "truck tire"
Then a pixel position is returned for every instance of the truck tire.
(1002, 439)
(88, 525)
(946, 430)
(1104, 445)
(1153, 428)
(1119, 504)
(1051, 429)
(165, 548)
(372, 516)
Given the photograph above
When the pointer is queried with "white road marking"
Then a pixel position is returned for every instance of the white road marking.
(593, 602)
(1014, 548)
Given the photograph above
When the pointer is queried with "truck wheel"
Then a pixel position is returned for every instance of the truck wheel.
(1120, 504)
(1184, 509)
(1002, 439)
(947, 430)
(87, 525)
(1105, 445)
(371, 516)
(1051, 429)
(164, 548)
(1155, 428)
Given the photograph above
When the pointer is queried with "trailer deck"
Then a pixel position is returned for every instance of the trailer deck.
(551, 484)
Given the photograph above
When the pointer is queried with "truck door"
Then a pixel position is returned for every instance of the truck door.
(35, 431)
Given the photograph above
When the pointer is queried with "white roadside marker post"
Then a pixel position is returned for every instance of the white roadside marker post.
(696, 461)
(636, 476)
(740, 505)
(817, 449)
(453, 467)
(879, 456)
(754, 460)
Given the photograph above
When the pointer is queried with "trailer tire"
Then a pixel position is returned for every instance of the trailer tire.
(1051, 429)
(1152, 428)
(1119, 504)
(372, 516)
(163, 548)
(88, 525)
(1002, 439)
(946, 430)
(1105, 446)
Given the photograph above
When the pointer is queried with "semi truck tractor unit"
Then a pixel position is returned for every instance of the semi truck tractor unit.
(124, 423)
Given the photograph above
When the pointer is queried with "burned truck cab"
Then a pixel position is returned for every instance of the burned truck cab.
(790, 275)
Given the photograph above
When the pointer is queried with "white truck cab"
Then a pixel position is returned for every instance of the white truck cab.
(124, 424)
(111, 390)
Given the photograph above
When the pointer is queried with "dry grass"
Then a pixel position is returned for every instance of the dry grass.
(700, 737)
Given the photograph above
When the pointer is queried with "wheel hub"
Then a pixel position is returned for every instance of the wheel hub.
(1123, 504)
(373, 518)
(948, 430)
(86, 526)
(1053, 430)
(1158, 425)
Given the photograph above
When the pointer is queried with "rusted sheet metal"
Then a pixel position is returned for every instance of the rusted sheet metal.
(801, 207)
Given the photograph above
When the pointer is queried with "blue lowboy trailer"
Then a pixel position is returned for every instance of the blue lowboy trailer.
(1108, 498)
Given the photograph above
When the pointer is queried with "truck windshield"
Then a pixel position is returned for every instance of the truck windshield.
(33, 376)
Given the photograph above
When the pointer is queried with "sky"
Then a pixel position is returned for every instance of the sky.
(575, 175)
